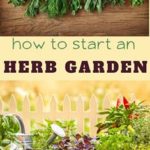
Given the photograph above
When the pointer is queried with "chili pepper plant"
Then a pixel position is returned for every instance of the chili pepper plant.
(126, 127)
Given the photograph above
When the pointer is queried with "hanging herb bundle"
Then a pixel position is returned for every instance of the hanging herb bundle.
(91, 5)
(137, 2)
(75, 6)
(56, 8)
(33, 8)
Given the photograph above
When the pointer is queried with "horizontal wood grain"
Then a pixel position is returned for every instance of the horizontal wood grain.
(114, 21)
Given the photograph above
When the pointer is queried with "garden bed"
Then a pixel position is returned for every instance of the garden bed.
(126, 127)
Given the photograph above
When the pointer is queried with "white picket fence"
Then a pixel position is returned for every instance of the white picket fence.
(54, 114)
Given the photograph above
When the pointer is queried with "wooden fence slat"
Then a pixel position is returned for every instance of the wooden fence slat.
(80, 116)
(12, 105)
(93, 115)
(53, 108)
(106, 102)
(133, 98)
(26, 114)
(67, 108)
(39, 109)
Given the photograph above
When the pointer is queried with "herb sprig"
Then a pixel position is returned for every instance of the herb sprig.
(9, 126)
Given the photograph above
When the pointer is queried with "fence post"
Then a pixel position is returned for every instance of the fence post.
(12, 105)
(67, 108)
(80, 116)
(53, 108)
(133, 97)
(106, 102)
(26, 114)
(39, 109)
(93, 115)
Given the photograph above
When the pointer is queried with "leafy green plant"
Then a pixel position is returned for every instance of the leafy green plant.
(55, 7)
(115, 139)
(9, 126)
(132, 137)
(75, 6)
(92, 5)
(33, 8)
(142, 131)
(68, 126)
(137, 2)
(40, 136)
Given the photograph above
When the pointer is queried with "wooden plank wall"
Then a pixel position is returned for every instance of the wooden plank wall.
(120, 20)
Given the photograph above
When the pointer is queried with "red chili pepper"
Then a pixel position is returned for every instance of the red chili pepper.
(126, 103)
(118, 103)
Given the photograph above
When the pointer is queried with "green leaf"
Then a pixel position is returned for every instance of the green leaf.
(17, 2)
(9, 126)
(137, 2)
(57, 8)
(43, 7)
(99, 5)
(75, 6)
(33, 8)
(104, 112)
(90, 5)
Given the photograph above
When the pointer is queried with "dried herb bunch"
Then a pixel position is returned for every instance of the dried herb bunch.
(56, 8)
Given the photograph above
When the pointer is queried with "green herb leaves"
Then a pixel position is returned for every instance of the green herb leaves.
(33, 8)
(8, 127)
(56, 8)
(137, 2)
(17, 2)
(92, 5)
(100, 4)
(115, 139)
(75, 6)
(40, 136)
